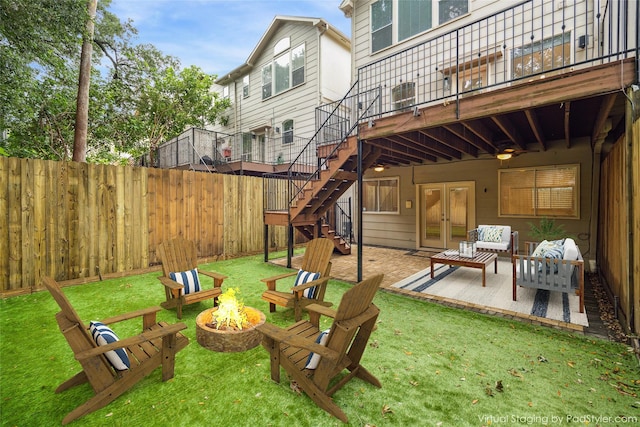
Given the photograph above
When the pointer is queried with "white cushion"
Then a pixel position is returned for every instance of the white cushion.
(505, 237)
(570, 249)
(501, 246)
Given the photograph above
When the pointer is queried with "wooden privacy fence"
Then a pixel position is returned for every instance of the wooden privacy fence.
(73, 220)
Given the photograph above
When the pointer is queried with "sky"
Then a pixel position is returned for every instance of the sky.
(216, 35)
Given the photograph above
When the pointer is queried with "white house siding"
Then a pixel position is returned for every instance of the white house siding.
(335, 70)
(400, 230)
(253, 114)
(496, 39)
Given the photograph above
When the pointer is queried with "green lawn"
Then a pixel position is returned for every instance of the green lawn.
(438, 366)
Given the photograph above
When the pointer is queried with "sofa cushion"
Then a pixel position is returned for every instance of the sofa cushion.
(490, 233)
(551, 249)
(570, 250)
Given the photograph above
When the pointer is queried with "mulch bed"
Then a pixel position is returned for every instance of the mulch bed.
(607, 311)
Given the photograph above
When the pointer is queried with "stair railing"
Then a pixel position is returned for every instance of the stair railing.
(354, 106)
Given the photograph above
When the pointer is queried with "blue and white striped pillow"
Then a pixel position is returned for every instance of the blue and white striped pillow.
(314, 359)
(305, 277)
(187, 278)
(103, 335)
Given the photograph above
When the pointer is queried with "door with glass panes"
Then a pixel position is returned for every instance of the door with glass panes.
(447, 212)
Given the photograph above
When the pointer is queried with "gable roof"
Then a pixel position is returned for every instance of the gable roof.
(279, 21)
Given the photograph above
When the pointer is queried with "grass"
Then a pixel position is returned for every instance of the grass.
(438, 366)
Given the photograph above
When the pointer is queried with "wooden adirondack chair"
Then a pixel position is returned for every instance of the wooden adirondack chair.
(179, 255)
(316, 259)
(345, 343)
(155, 346)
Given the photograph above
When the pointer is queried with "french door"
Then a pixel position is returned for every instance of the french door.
(447, 212)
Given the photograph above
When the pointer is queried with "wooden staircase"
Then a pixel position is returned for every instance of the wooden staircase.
(323, 190)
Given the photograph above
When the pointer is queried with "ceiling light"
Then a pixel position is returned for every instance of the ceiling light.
(504, 156)
(378, 168)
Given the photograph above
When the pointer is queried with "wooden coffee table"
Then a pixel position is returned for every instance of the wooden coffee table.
(481, 261)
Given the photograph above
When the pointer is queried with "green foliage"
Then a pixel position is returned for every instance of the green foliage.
(547, 229)
(138, 96)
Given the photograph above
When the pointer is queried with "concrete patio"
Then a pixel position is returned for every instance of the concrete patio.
(400, 264)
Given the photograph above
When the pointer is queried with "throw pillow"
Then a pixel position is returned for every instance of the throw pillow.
(553, 249)
(305, 277)
(103, 335)
(492, 234)
(189, 279)
(314, 359)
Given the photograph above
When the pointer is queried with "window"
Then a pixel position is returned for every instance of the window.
(410, 17)
(403, 96)
(225, 92)
(381, 25)
(380, 195)
(297, 66)
(281, 46)
(537, 57)
(245, 86)
(451, 9)
(286, 71)
(266, 81)
(414, 17)
(472, 78)
(541, 191)
(287, 132)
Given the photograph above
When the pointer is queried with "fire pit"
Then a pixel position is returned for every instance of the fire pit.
(230, 327)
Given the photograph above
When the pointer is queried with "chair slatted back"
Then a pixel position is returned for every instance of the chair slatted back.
(177, 254)
(317, 256)
(100, 374)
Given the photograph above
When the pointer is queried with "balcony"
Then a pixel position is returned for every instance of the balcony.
(535, 72)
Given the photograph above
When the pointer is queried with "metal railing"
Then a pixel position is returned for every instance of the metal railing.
(531, 38)
(335, 123)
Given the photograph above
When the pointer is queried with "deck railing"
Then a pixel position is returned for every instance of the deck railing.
(532, 38)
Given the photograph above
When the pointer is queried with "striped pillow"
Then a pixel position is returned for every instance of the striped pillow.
(305, 277)
(189, 279)
(314, 359)
(103, 335)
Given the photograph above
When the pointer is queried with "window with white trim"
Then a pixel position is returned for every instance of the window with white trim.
(381, 195)
(245, 86)
(284, 72)
(395, 21)
(287, 131)
(545, 191)
(554, 52)
(381, 25)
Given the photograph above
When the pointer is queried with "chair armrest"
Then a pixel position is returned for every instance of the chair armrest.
(321, 309)
(271, 281)
(132, 315)
(137, 339)
(515, 242)
(171, 284)
(287, 337)
(217, 277)
(302, 287)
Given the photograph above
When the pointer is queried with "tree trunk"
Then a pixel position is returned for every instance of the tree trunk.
(82, 102)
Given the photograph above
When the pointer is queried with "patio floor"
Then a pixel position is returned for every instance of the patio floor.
(399, 264)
